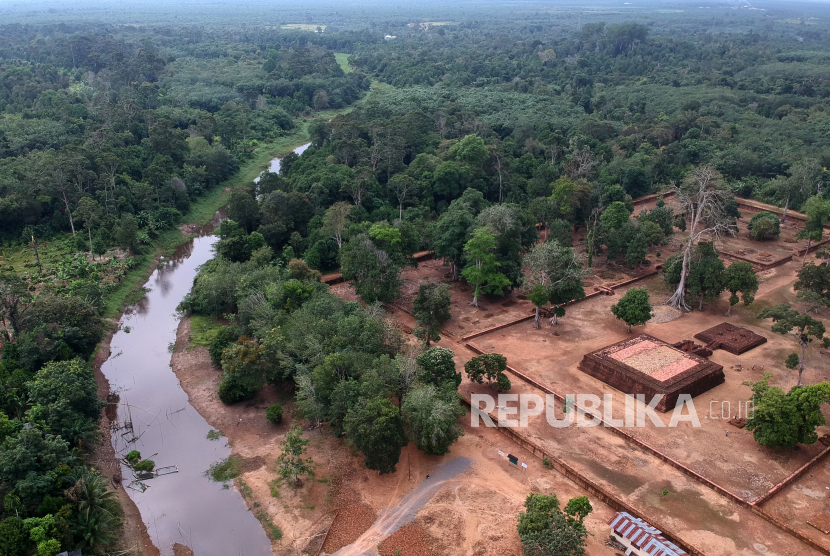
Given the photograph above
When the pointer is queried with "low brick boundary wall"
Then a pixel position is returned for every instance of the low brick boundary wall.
(337, 278)
(573, 302)
(652, 197)
(786, 482)
(752, 506)
(592, 488)
(783, 260)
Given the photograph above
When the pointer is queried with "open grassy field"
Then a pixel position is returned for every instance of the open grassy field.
(343, 61)
(304, 27)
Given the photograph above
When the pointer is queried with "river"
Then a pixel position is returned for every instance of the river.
(184, 506)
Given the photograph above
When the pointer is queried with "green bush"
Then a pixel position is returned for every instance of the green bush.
(274, 413)
(225, 470)
(232, 391)
(145, 465)
(502, 383)
(764, 225)
(133, 456)
(225, 337)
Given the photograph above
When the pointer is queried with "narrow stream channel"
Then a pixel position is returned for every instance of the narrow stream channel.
(185, 506)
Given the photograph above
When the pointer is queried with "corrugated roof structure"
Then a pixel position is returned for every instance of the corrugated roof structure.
(643, 536)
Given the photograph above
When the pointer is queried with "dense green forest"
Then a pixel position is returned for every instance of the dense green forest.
(485, 124)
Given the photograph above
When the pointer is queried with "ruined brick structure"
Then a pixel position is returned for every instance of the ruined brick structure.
(647, 365)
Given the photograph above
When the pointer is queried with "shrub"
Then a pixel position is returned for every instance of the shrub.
(145, 465)
(763, 226)
(502, 383)
(133, 456)
(225, 470)
(274, 413)
(232, 391)
(225, 337)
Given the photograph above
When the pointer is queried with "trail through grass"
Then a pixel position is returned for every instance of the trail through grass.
(343, 61)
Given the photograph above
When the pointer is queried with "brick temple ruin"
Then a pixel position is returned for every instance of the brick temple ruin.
(647, 365)
(731, 338)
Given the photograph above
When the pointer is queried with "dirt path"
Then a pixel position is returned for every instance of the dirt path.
(404, 512)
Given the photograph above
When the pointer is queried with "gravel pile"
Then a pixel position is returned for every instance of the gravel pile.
(350, 523)
(410, 540)
(664, 313)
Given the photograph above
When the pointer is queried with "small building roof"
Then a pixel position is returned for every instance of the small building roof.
(644, 536)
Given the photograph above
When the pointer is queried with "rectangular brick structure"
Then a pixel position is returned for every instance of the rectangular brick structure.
(647, 365)
(731, 338)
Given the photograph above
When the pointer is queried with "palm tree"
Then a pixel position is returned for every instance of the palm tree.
(98, 512)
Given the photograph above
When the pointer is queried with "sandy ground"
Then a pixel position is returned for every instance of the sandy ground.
(472, 511)
(736, 462)
(475, 508)
(733, 461)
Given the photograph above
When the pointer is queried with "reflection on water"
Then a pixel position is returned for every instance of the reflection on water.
(274, 166)
(155, 417)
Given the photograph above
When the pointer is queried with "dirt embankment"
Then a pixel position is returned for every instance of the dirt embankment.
(473, 512)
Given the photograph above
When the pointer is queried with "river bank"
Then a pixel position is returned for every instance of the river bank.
(135, 538)
(414, 511)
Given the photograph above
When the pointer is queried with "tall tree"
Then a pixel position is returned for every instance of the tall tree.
(375, 273)
(431, 309)
(803, 176)
(89, 211)
(782, 420)
(336, 219)
(486, 365)
(705, 279)
(482, 270)
(432, 416)
(545, 530)
(813, 284)
(402, 186)
(14, 300)
(53, 170)
(740, 277)
(376, 429)
(702, 198)
(818, 209)
(451, 234)
(438, 367)
(558, 269)
(244, 209)
(615, 215)
(800, 326)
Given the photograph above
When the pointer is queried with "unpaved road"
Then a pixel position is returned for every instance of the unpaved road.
(392, 519)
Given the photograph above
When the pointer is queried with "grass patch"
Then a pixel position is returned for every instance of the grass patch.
(273, 532)
(245, 489)
(21, 259)
(225, 470)
(343, 61)
(275, 488)
(214, 435)
(203, 330)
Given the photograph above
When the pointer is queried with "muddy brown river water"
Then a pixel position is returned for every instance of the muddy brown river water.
(183, 506)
